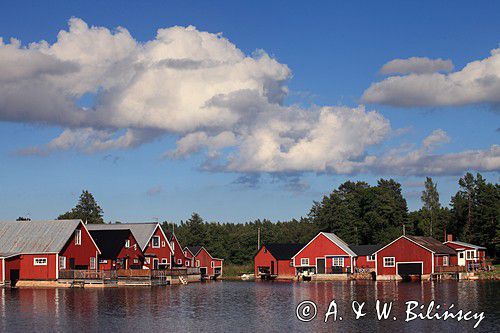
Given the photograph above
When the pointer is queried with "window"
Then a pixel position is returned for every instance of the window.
(164, 261)
(338, 261)
(304, 261)
(265, 250)
(62, 262)
(389, 262)
(172, 245)
(469, 254)
(370, 258)
(461, 255)
(40, 261)
(93, 263)
(136, 261)
(179, 261)
(103, 261)
(212, 264)
(78, 237)
(291, 263)
(187, 263)
(127, 243)
(445, 261)
(155, 242)
(197, 263)
(163, 244)
(147, 261)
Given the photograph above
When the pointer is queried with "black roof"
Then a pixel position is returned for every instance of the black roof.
(283, 251)
(365, 250)
(194, 249)
(110, 242)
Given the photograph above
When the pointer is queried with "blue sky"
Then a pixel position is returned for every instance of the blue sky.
(334, 53)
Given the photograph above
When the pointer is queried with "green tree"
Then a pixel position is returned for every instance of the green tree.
(431, 205)
(86, 210)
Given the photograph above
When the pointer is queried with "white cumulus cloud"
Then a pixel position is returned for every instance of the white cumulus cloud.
(202, 89)
(477, 82)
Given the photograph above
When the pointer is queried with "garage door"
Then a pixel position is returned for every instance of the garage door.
(409, 268)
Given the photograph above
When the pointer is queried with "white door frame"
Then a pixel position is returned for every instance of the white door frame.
(410, 262)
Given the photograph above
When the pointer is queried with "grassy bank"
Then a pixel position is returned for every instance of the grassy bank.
(235, 271)
(493, 275)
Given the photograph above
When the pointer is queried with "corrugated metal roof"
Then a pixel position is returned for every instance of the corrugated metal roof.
(468, 245)
(343, 245)
(35, 236)
(142, 231)
(432, 244)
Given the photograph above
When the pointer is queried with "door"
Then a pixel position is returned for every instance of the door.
(405, 269)
(272, 267)
(14, 277)
(461, 258)
(320, 262)
(155, 263)
(71, 263)
(203, 270)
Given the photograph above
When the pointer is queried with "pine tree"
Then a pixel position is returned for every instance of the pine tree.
(430, 200)
(86, 210)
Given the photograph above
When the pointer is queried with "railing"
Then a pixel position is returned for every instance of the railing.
(449, 269)
(133, 273)
(176, 271)
(82, 274)
(193, 270)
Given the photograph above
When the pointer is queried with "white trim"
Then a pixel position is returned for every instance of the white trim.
(88, 233)
(57, 266)
(410, 262)
(303, 264)
(447, 260)
(3, 269)
(393, 258)
(403, 236)
(370, 260)
(78, 236)
(321, 233)
(432, 256)
(472, 246)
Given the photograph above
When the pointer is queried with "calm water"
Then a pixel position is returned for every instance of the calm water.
(240, 306)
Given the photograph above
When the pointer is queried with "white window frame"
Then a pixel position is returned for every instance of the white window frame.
(162, 243)
(469, 255)
(78, 237)
(40, 261)
(153, 242)
(127, 243)
(388, 264)
(197, 263)
(103, 261)
(62, 262)
(370, 258)
(135, 261)
(179, 261)
(147, 260)
(187, 263)
(338, 261)
(304, 261)
(446, 260)
(212, 264)
(92, 263)
(172, 245)
(164, 260)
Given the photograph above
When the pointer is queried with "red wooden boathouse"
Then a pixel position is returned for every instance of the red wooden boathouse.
(151, 239)
(39, 250)
(119, 249)
(178, 258)
(326, 253)
(209, 266)
(469, 255)
(274, 260)
(412, 255)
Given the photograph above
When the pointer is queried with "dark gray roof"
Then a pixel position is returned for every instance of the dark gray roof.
(432, 244)
(35, 236)
(111, 242)
(283, 251)
(142, 231)
(365, 250)
(194, 249)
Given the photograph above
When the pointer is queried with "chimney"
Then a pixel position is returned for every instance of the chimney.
(449, 237)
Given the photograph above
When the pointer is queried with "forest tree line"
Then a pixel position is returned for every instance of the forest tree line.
(357, 212)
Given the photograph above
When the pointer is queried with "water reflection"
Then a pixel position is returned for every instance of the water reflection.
(239, 307)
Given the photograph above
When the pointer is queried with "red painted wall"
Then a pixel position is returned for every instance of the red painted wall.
(206, 261)
(28, 271)
(81, 253)
(189, 258)
(403, 250)
(480, 254)
(362, 262)
(133, 252)
(162, 252)
(264, 258)
(320, 247)
(178, 252)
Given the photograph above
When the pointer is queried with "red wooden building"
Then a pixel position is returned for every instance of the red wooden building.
(151, 239)
(39, 250)
(119, 249)
(178, 257)
(469, 255)
(189, 257)
(325, 254)
(209, 266)
(275, 261)
(365, 257)
(412, 255)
